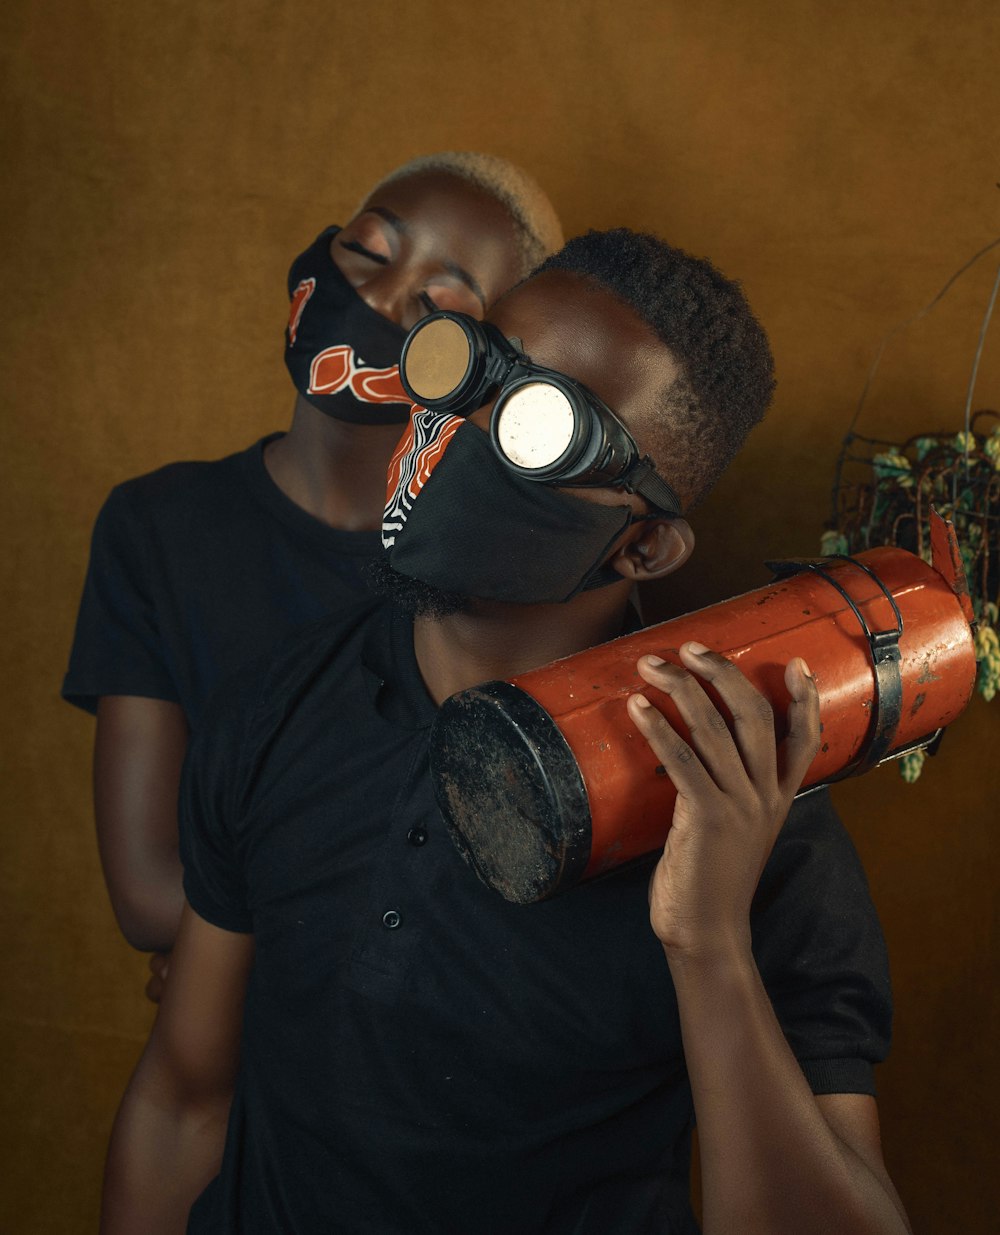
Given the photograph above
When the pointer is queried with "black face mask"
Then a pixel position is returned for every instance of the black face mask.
(342, 356)
(457, 518)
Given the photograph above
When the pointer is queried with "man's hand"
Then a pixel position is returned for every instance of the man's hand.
(734, 789)
(774, 1158)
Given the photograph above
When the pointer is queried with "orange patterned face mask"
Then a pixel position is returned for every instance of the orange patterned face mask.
(342, 356)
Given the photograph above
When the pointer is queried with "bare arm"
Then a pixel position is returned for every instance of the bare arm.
(139, 748)
(775, 1159)
(167, 1141)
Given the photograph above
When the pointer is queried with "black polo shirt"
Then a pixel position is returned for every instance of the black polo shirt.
(421, 1056)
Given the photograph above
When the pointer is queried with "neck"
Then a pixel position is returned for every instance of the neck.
(332, 469)
(494, 641)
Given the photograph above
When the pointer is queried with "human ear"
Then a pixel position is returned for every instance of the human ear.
(658, 548)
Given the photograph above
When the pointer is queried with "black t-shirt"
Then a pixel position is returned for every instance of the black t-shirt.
(197, 569)
(419, 1056)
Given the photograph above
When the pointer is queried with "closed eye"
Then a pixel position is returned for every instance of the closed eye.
(427, 302)
(356, 247)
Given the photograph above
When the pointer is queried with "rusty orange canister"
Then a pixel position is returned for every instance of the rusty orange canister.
(544, 781)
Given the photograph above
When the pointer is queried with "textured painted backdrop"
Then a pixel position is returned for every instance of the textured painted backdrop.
(161, 165)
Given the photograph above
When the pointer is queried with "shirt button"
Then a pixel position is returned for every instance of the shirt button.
(391, 919)
(417, 836)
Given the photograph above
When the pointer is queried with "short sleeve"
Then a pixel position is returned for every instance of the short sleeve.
(117, 648)
(210, 793)
(821, 953)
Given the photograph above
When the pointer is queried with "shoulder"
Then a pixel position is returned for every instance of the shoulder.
(322, 656)
(270, 712)
(814, 877)
(816, 932)
(814, 846)
(175, 487)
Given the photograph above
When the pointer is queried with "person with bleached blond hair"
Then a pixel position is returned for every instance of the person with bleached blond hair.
(199, 567)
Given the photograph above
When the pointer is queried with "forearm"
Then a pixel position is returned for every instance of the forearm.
(148, 901)
(770, 1160)
(139, 748)
(163, 1152)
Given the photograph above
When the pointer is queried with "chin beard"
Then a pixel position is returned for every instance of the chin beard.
(412, 596)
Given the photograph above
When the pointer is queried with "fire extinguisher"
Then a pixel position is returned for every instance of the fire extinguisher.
(544, 781)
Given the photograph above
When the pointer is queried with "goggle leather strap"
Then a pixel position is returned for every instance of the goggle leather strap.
(644, 479)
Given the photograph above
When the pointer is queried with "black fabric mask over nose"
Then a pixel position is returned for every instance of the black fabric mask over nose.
(457, 518)
(343, 357)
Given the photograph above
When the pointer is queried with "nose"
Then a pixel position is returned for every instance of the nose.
(482, 415)
(387, 293)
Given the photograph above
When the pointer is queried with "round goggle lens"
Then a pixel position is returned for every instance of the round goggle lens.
(535, 425)
(437, 359)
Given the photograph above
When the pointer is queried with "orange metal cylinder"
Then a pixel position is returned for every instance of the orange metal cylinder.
(545, 781)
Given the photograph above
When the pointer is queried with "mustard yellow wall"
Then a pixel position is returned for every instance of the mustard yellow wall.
(162, 162)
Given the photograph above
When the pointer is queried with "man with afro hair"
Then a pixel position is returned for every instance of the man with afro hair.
(727, 377)
(398, 1050)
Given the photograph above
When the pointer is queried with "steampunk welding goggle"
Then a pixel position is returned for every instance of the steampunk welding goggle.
(545, 426)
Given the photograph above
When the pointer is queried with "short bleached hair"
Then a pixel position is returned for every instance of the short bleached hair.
(536, 222)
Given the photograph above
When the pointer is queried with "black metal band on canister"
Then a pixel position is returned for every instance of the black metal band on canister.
(887, 704)
(511, 792)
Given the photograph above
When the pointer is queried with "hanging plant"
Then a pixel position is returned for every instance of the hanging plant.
(959, 475)
(891, 487)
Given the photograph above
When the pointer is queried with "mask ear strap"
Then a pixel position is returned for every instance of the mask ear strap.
(605, 574)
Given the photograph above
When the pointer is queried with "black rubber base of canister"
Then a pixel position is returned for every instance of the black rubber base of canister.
(511, 792)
